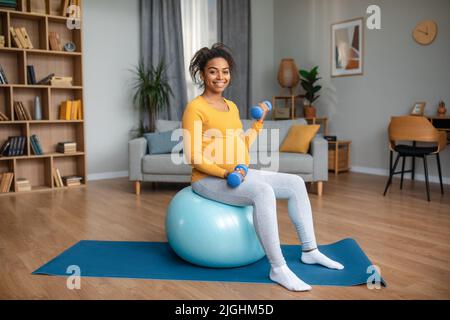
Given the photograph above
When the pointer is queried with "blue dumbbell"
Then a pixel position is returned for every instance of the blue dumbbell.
(235, 178)
(257, 112)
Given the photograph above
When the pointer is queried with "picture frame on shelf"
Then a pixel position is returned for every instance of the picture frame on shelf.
(418, 108)
(347, 48)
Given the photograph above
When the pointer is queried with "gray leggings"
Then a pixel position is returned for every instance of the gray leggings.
(261, 189)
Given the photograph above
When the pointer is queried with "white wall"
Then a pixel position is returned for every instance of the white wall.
(397, 71)
(111, 48)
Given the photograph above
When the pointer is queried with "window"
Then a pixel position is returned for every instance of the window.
(199, 22)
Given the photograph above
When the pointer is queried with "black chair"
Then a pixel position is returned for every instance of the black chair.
(415, 129)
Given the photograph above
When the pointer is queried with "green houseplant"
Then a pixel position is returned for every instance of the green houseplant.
(151, 93)
(308, 80)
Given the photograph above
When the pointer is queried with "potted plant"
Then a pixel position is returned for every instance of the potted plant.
(308, 80)
(152, 92)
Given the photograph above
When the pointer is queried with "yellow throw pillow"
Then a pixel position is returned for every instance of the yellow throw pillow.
(299, 138)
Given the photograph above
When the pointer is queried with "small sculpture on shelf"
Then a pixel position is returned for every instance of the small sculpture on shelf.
(37, 108)
(441, 109)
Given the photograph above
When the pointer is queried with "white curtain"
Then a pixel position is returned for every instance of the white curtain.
(199, 21)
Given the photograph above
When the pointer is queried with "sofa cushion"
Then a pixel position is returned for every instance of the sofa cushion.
(299, 138)
(161, 142)
(287, 162)
(163, 164)
(264, 142)
(167, 125)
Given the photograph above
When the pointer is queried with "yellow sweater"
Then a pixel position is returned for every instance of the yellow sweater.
(213, 140)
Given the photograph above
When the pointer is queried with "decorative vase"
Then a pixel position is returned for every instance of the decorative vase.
(288, 73)
(441, 109)
(309, 111)
(37, 108)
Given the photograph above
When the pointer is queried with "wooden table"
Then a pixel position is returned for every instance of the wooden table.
(339, 156)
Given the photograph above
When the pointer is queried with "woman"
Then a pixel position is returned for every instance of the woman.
(210, 123)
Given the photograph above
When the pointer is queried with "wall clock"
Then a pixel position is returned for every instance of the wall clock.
(425, 32)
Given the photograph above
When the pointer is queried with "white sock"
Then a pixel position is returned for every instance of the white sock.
(284, 276)
(317, 257)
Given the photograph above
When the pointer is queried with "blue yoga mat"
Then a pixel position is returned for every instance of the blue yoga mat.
(156, 260)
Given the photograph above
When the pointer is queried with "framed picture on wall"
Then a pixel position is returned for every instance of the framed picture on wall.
(347, 54)
(418, 109)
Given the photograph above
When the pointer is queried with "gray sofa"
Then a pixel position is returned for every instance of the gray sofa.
(264, 154)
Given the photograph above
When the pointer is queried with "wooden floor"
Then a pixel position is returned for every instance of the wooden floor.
(402, 233)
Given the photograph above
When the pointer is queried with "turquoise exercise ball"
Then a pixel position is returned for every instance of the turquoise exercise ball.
(210, 233)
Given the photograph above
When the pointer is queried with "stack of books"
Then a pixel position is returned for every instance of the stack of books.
(21, 38)
(71, 110)
(57, 177)
(23, 184)
(72, 181)
(61, 81)
(36, 145)
(6, 180)
(66, 147)
(2, 41)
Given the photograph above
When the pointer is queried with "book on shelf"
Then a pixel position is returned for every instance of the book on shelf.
(3, 79)
(46, 80)
(4, 148)
(12, 4)
(57, 178)
(36, 145)
(54, 41)
(66, 147)
(66, 4)
(61, 81)
(23, 184)
(31, 74)
(3, 117)
(6, 180)
(23, 41)
(70, 110)
(15, 38)
(21, 112)
(25, 35)
(70, 181)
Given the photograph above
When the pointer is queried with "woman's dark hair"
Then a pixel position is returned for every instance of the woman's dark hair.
(202, 56)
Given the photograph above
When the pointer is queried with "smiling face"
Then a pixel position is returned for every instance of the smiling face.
(216, 75)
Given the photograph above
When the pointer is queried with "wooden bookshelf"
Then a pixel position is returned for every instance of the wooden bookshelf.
(40, 17)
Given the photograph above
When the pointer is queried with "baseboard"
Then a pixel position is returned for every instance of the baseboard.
(107, 175)
(385, 172)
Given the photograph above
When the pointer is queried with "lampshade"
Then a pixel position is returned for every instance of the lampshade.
(288, 73)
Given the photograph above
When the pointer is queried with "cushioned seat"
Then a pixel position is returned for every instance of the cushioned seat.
(414, 151)
(289, 162)
(162, 164)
